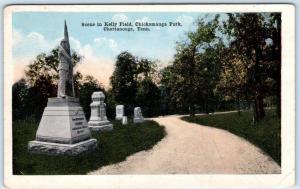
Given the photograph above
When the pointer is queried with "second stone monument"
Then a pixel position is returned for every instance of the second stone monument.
(98, 120)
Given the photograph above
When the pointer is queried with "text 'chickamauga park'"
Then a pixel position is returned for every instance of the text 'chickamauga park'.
(131, 26)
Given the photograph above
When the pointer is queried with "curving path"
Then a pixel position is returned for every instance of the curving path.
(195, 149)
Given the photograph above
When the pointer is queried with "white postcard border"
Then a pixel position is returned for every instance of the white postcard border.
(286, 178)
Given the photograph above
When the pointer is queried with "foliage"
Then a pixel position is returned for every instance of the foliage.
(208, 70)
(192, 77)
(86, 87)
(233, 77)
(30, 95)
(30, 101)
(123, 81)
(221, 62)
(20, 93)
(274, 30)
(266, 134)
(45, 66)
(133, 84)
(113, 147)
(146, 69)
(168, 104)
(110, 105)
(147, 97)
(247, 59)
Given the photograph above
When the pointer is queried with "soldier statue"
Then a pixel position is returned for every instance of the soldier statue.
(65, 68)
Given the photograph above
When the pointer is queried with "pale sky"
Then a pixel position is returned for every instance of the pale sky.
(38, 32)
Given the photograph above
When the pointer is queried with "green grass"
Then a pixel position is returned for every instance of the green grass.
(266, 134)
(112, 147)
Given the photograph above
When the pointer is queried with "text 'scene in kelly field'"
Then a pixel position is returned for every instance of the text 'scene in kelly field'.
(131, 26)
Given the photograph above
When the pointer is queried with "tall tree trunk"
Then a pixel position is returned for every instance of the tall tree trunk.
(238, 104)
(278, 94)
(192, 83)
(206, 108)
(192, 110)
(258, 108)
(277, 50)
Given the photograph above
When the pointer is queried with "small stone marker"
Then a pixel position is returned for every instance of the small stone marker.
(119, 112)
(138, 117)
(98, 120)
(124, 120)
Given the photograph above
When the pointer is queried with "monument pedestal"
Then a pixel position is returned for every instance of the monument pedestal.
(100, 126)
(138, 120)
(98, 120)
(63, 129)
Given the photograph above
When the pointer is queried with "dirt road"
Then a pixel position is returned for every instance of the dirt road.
(195, 149)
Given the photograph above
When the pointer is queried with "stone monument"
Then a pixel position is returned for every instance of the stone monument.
(138, 117)
(119, 112)
(98, 120)
(124, 120)
(63, 128)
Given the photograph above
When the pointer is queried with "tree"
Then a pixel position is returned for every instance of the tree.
(45, 65)
(167, 82)
(146, 69)
(133, 81)
(275, 36)
(110, 104)
(249, 33)
(87, 86)
(190, 65)
(123, 80)
(41, 82)
(183, 80)
(232, 84)
(147, 97)
(208, 71)
(20, 94)
(39, 94)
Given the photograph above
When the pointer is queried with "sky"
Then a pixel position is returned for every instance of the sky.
(39, 32)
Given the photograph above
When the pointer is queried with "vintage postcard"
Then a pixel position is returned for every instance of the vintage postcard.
(149, 96)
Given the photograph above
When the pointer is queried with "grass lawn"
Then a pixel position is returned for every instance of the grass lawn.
(266, 134)
(112, 147)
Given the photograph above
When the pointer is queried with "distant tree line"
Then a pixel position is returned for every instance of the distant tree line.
(234, 60)
(225, 64)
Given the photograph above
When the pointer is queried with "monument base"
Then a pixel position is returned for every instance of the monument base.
(138, 120)
(101, 126)
(119, 118)
(51, 148)
(63, 129)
